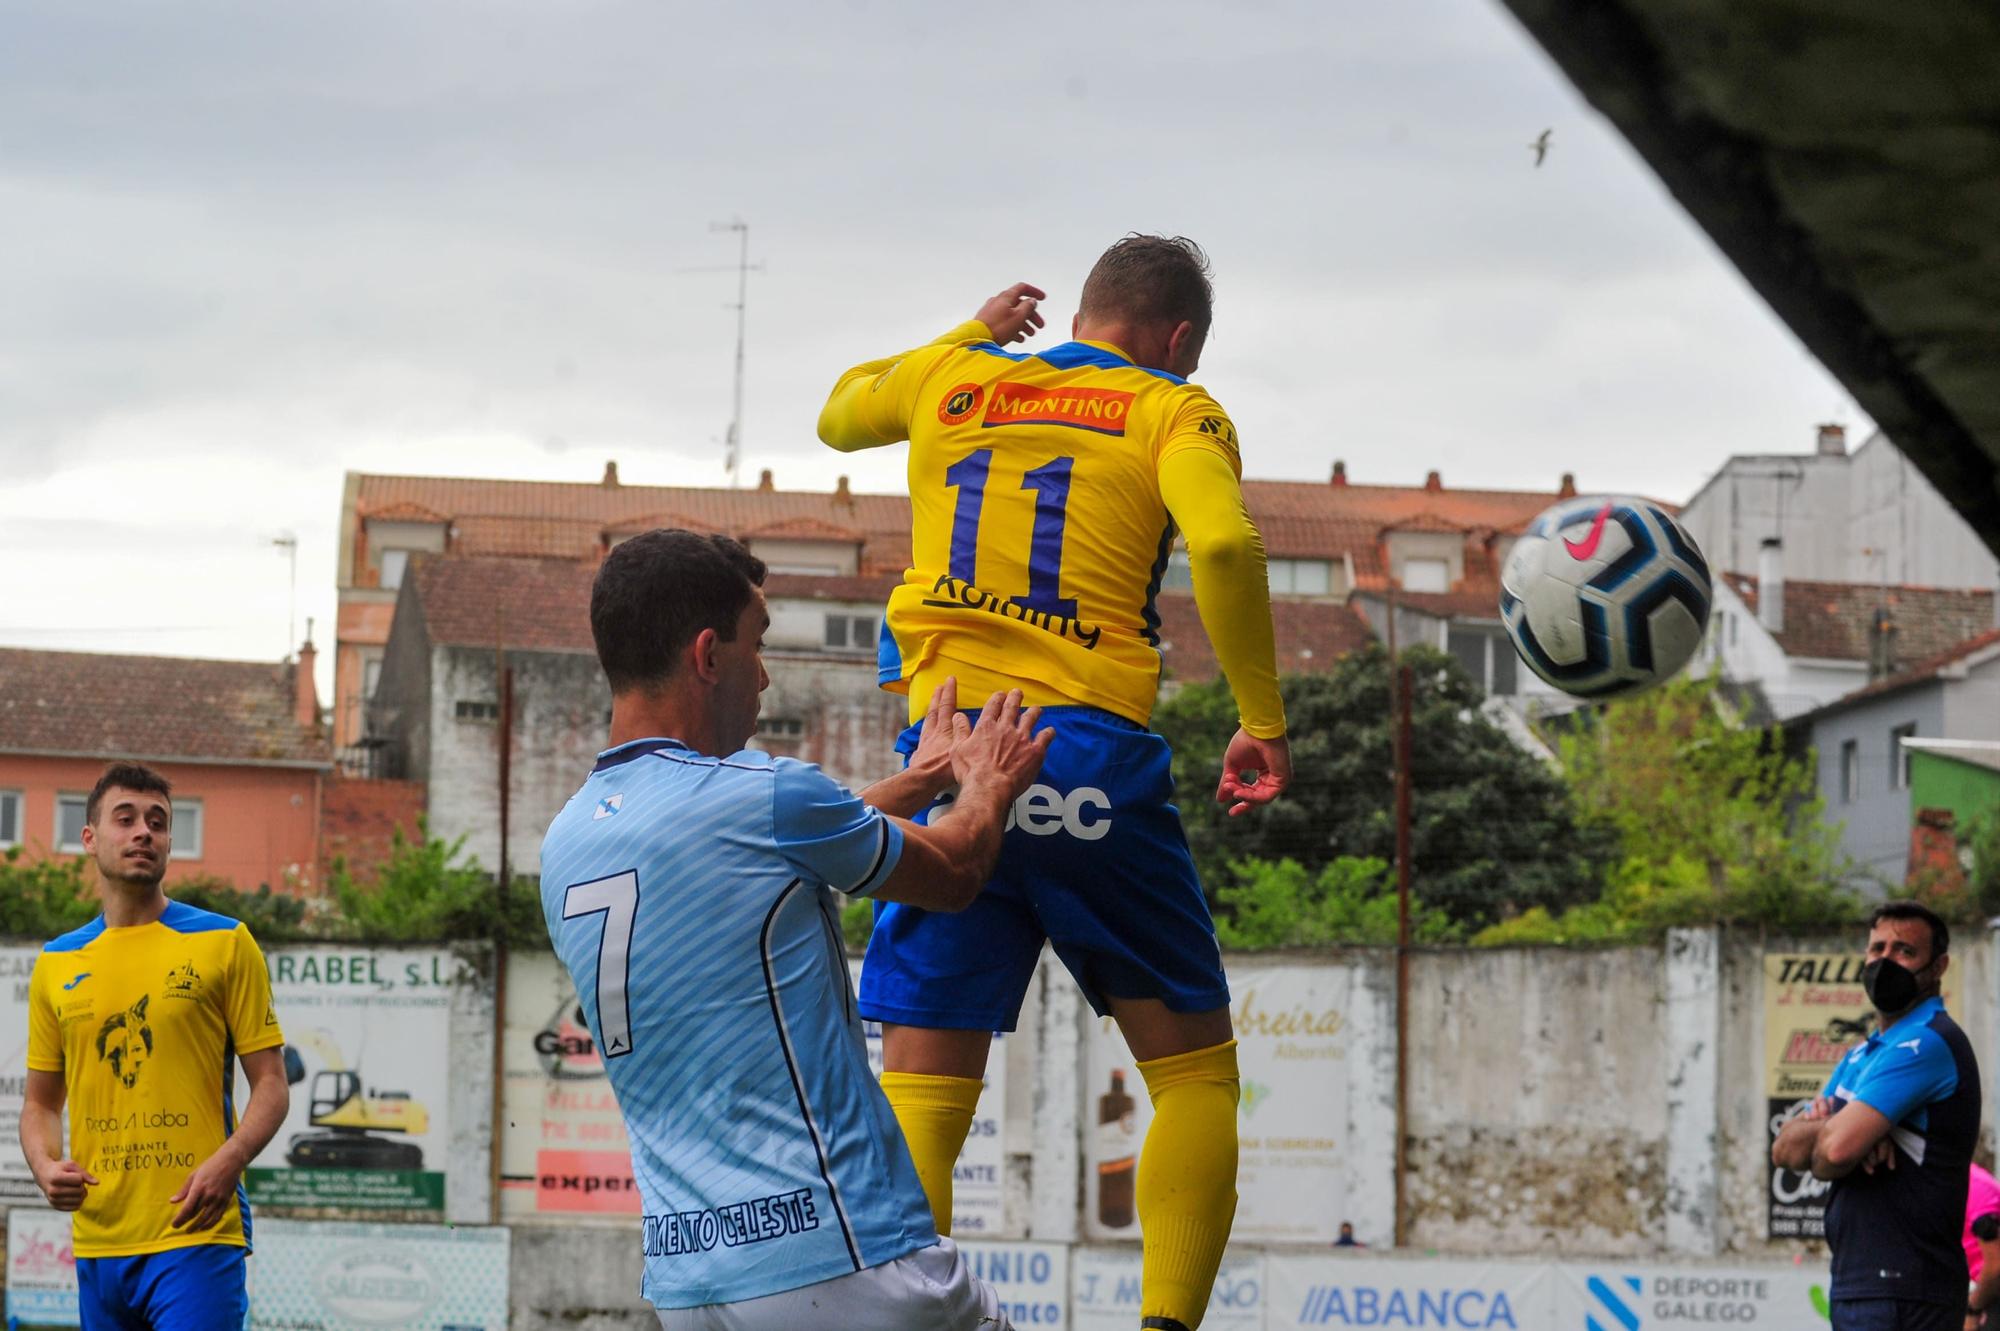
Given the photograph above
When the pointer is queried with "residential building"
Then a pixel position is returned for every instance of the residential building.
(1863, 751)
(1863, 517)
(241, 742)
(1803, 644)
(1961, 776)
(1332, 551)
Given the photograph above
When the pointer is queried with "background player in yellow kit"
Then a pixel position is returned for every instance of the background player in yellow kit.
(134, 1022)
(1045, 491)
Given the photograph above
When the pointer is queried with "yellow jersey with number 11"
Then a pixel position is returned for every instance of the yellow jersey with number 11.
(1039, 533)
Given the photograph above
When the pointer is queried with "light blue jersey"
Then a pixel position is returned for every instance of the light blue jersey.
(689, 898)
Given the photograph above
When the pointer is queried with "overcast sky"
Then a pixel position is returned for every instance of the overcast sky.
(248, 247)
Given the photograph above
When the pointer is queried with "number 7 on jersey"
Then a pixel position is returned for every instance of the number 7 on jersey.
(617, 899)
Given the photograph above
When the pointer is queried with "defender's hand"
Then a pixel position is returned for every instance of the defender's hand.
(64, 1182)
(1012, 315)
(1254, 771)
(944, 726)
(1003, 748)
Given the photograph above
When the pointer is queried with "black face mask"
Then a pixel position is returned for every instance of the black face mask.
(1891, 987)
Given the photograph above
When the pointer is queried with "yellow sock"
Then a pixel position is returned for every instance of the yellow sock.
(1187, 1180)
(936, 1113)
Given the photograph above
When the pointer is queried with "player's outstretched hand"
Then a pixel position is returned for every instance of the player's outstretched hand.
(1003, 748)
(1013, 316)
(1254, 771)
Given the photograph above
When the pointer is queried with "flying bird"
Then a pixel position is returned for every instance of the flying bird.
(1541, 145)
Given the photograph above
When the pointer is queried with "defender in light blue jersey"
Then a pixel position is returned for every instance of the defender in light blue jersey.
(690, 896)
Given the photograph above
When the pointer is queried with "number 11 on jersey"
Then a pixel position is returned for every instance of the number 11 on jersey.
(1050, 482)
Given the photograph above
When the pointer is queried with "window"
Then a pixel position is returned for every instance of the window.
(1487, 657)
(69, 822)
(394, 564)
(188, 822)
(1426, 575)
(1179, 576)
(850, 633)
(783, 735)
(371, 675)
(1300, 577)
(1850, 770)
(469, 709)
(10, 817)
(1899, 755)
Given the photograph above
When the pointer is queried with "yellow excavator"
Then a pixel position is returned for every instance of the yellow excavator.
(351, 1119)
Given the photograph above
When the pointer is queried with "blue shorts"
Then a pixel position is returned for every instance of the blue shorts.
(182, 1289)
(1095, 862)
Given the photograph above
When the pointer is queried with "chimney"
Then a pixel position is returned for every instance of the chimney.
(610, 481)
(1833, 441)
(841, 494)
(1882, 644)
(305, 697)
(1434, 483)
(1771, 584)
(1339, 472)
(1567, 490)
(764, 481)
(1934, 863)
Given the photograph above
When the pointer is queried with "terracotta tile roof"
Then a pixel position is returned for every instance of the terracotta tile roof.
(543, 605)
(1311, 635)
(1833, 620)
(540, 605)
(805, 529)
(533, 537)
(1927, 669)
(152, 708)
(649, 521)
(882, 522)
(1426, 522)
(405, 511)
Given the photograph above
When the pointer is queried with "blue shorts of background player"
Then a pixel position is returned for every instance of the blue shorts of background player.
(201, 1288)
(1095, 862)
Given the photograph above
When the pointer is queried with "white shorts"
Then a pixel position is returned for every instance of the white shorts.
(931, 1289)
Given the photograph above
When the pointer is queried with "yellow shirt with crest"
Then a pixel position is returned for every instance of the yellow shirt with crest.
(144, 1024)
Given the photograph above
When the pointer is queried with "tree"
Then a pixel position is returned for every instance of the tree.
(1492, 827)
(1714, 820)
(1351, 902)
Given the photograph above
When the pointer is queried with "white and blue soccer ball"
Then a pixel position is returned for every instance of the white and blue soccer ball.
(1605, 596)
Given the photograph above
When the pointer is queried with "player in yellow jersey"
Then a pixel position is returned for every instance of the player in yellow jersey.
(1045, 492)
(133, 1021)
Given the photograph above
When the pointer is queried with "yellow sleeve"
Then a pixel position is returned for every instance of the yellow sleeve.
(252, 1017)
(45, 1053)
(1231, 587)
(872, 403)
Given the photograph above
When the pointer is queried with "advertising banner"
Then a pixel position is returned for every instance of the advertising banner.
(1466, 1294)
(1032, 1280)
(370, 1052)
(1302, 1067)
(565, 1154)
(41, 1269)
(1104, 1291)
(17, 1183)
(1815, 1010)
(334, 1276)
(1649, 1298)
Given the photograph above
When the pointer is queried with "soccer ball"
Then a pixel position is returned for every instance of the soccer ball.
(1605, 596)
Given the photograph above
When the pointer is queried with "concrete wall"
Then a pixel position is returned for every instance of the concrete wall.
(562, 710)
(1972, 704)
(1537, 1101)
(1923, 540)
